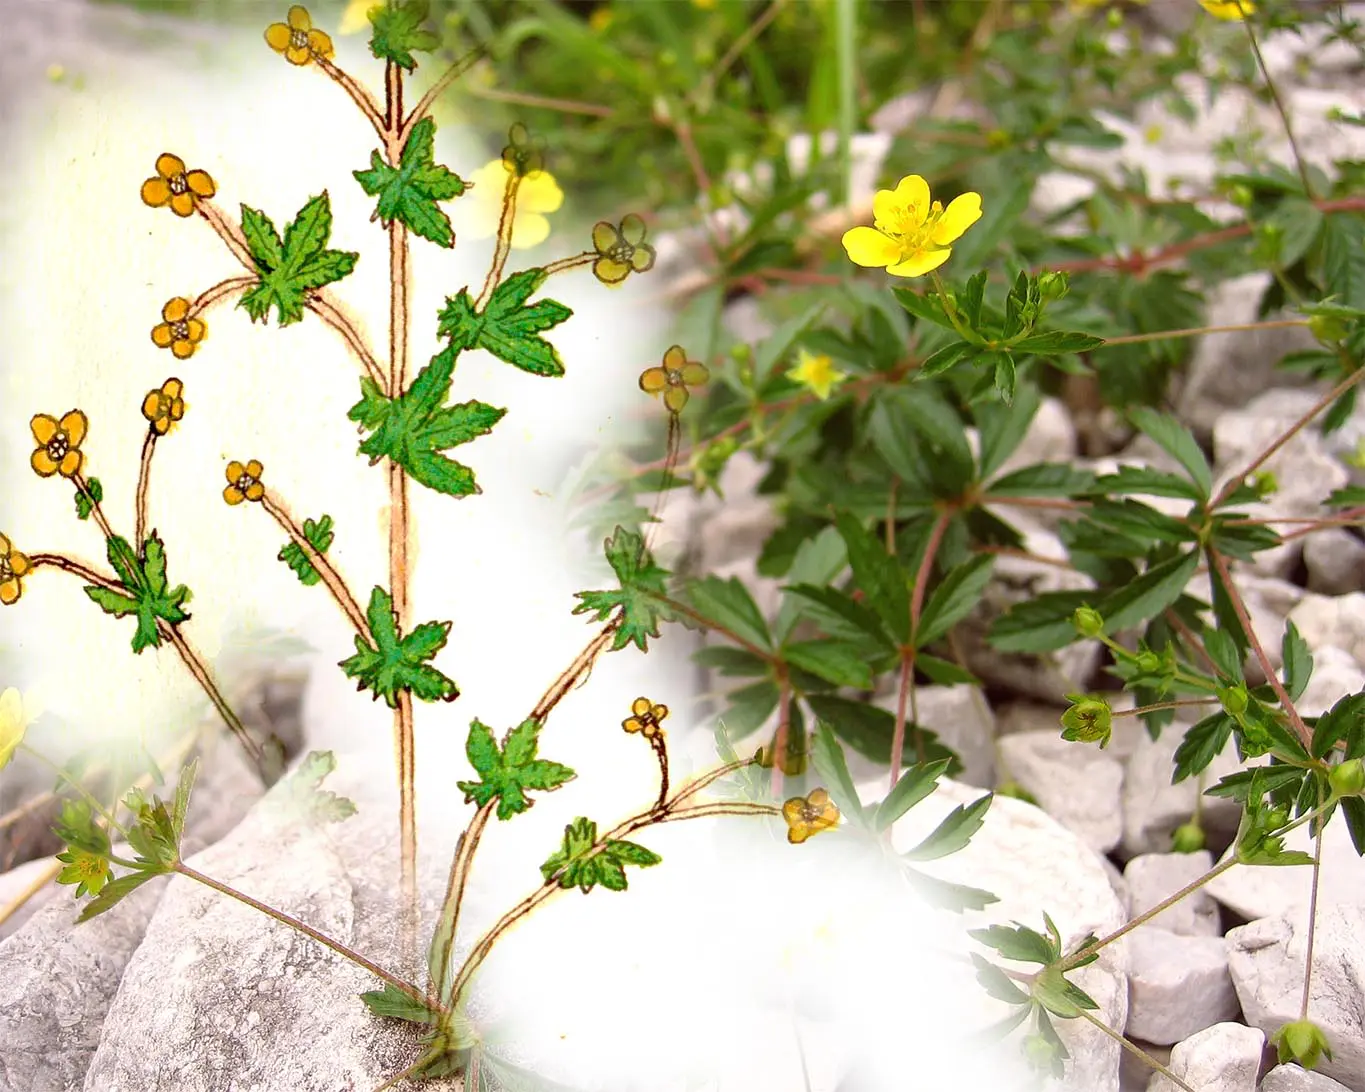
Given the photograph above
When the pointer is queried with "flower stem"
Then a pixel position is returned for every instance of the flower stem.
(1134, 1049)
(586, 257)
(577, 672)
(504, 244)
(200, 672)
(443, 940)
(784, 718)
(451, 74)
(358, 94)
(1312, 914)
(75, 568)
(325, 570)
(1299, 161)
(144, 478)
(907, 675)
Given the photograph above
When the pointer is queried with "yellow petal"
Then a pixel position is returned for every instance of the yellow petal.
(172, 388)
(694, 373)
(197, 329)
(19, 563)
(675, 398)
(604, 237)
(609, 271)
(630, 724)
(791, 809)
(277, 37)
(162, 336)
(43, 464)
(675, 357)
(183, 349)
(640, 706)
(200, 184)
(176, 309)
(235, 470)
(299, 18)
(633, 229)
(660, 712)
(255, 491)
(320, 43)
(75, 424)
(182, 204)
(151, 405)
(155, 192)
(642, 260)
(298, 55)
(233, 495)
(44, 427)
(919, 263)
(962, 212)
(168, 166)
(870, 248)
(653, 380)
(529, 229)
(254, 469)
(539, 192)
(177, 409)
(5, 546)
(10, 592)
(71, 463)
(161, 425)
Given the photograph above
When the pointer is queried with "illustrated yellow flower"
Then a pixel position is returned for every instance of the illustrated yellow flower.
(816, 373)
(356, 17)
(1229, 9)
(244, 482)
(179, 332)
(165, 407)
(14, 566)
(809, 815)
(645, 718)
(59, 444)
(537, 194)
(621, 251)
(17, 712)
(88, 871)
(297, 39)
(523, 154)
(175, 186)
(674, 377)
(912, 234)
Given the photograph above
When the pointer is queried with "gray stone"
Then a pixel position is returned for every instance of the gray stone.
(1293, 1078)
(1335, 559)
(1335, 675)
(1336, 620)
(15, 884)
(1267, 961)
(961, 717)
(1154, 877)
(1222, 1058)
(1177, 985)
(1075, 783)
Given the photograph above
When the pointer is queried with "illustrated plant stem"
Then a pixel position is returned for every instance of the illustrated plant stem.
(661, 752)
(907, 675)
(307, 930)
(359, 95)
(227, 231)
(1134, 1049)
(576, 672)
(144, 478)
(219, 291)
(448, 77)
(195, 664)
(329, 575)
(443, 940)
(586, 257)
(328, 311)
(1299, 161)
(76, 568)
(784, 717)
(503, 247)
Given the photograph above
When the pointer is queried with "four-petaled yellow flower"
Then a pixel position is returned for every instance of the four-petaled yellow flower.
(175, 186)
(621, 251)
(674, 378)
(646, 717)
(356, 17)
(809, 815)
(816, 373)
(165, 407)
(244, 482)
(537, 194)
(88, 871)
(59, 444)
(1229, 9)
(297, 39)
(179, 332)
(912, 233)
(14, 566)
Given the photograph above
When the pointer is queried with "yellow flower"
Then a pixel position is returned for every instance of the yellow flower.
(165, 407)
(244, 482)
(537, 194)
(646, 718)
(1229, 9)
(816, 373)
(297, 39)
(600, 19)
(621, 250)
(809, 815)
(705, 5)
(356, 17)
(59, 444)
(674, 377)
(175, 186)
(523, 154)
(14, 566)
(16, 714)
(179, 332)
(88, 871)
(912, 234)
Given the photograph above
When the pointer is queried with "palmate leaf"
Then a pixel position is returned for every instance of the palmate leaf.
(507, 774)
(304, 790)
(145, 592)
(643, 584)
(408, 193)
(398, 31)
(289, 270)
(508, 327)
(607, 867)
(318, 534)
(391, 662)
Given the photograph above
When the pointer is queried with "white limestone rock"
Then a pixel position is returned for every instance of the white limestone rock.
(1077, 784)
(1335, 560)
(1153, 807)
(962, 719)
(1222, 1058)
(1177, 985)
(1154, 877)
(1293, 1078)
(1333, 620)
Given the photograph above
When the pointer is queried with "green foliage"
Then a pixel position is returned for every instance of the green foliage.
(508, 327)
(508, 773)
(408, 193)
(390, 662)
(93, 492)
(292, 269)
(304, 795)
(318, 534)
(398, 31)
(581, 862)
(644, 585)
(144, 591)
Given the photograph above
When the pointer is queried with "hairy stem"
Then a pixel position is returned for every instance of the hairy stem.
(577, 672)
(1134, 1049)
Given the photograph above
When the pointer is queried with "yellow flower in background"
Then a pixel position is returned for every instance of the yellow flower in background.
(1229, 9)
(178, 331)
(807, 816)
(244, 482)
(600, 19)
(645, 718)
(175, 186)
(537, 194)
(297, 39)
(621, 251)
(674, 377)
(59, 444)
(17, 712)
(356, 17)
(705, 5)
(912, 233)
(165, 407)
(816, 373)
(14, 566)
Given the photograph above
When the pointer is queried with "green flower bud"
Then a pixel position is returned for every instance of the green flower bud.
(1187, 838)
(997, 139)
(1348, 779)
(1328, 329)
(1040, 1053)
(1241, 196)
(1265, 483)
(1088, 720)
(1088, 622)
(1149, 663)
(1275, 818)
(1234, 699)
(1053, 286)
(1301, 1041)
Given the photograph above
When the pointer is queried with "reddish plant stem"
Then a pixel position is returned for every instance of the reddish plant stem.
(907, 674)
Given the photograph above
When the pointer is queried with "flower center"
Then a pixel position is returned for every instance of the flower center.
(6, 569)
(181, 330)
(674, 377)
(298, 39)
(58, 446)
(245, 482)
(163, 406)
(621, 252)
(810, 813)
(910, 226)
(177, 184)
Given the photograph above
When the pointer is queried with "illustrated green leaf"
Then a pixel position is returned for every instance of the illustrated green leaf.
(318, 534)
(508, 327)
(297, 266)
(640, 598)
(83, 502)
(571, 865)
(954, 598)
(145, 592)
(509, 772)
(304, 792)
(408, 193)
(1178, 442)
(394, 1003)
(398, 31)
(389, 662)
(954, 832)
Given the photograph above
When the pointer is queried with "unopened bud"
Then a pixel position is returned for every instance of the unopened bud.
(1348, 779)
(1301, 1041)
(1187, 838)
(1088, 720)
(1088, 622)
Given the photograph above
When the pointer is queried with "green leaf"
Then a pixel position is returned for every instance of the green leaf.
(1056, 342)
(409, 192)
(728, 603)
(1040, 624)
(1343, 723)
(1178, 442)
(570, 865)
(868, 729)
(1041, 480)
(395, 1003)
(1350, 496)
(1222, 650)
(942, 359)
(998, 984)
(1018, 943)
(1202, 744)
(944, 672)
(926, 307)
(1149, 594)
(1263, 779)
(828, 756)
(508, 327)
(1353, 811)
(644, 585)
(318, 535)
(83, 502)
(954, 832)
(954, 598)
(398, 31)
(915, 784)
(145, 591)
(842, 616)
(1145, 482)
(1003, 427)
(953, 897)
(1298, 662)
(749, 707)
(838, 662)
(290, 271)
(415, 428)
(303, 792)
(878, 575)
(922, 439)
(389, 662)
(181, 804)
(508, 774)
(817, 561)
(115, 891)
(1343, 258)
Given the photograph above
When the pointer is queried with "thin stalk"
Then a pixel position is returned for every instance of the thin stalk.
(917, 594)
(443, 940)
(846, 45)
(325, 570)
(1134, 1049)
(75, 568)
(448, 77)
(1280, 108)
(144, 479)
(219, 291)
(1312, 916)
(197, 668)
(565, 106)
(780, 739)
(586, 257)
(1196, 331)
(577, 672)
(503, 246)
